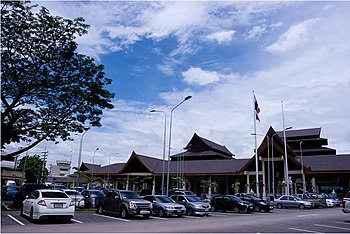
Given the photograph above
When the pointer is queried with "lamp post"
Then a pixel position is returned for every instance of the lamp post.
(81, 146)
(171, 121)
(286, 175)
(164, 143)
(109, 165)
(93, 163)
(302, 167)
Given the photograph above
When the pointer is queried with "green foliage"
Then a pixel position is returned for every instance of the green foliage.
(33, 168)
(48, 90)
(236, 186)
(208, 184)
(175, 181)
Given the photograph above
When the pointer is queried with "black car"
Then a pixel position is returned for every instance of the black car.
(25, 190)
(92, 197)
(232, 203)
(259, 204)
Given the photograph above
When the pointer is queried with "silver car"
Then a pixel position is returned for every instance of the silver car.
(164, 206)
(287, 201)
(76, 197)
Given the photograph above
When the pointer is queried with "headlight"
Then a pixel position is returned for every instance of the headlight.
(150, 206)
(197, 206)
(262, 203)
(132, 205)
(241, 203)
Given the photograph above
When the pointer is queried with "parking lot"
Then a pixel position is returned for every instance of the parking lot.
(329, 220)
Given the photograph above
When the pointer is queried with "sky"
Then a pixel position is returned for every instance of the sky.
(157, 53)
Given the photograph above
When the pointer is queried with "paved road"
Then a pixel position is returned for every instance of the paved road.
(330, 220)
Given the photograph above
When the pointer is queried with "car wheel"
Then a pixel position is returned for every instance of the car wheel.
(189, 211)
(279, 206)
(236, 209)
(123, 213)
(161, 213)
(257, 209)
(99, 209)
(301, 206)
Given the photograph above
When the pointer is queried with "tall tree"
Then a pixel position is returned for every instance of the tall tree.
(34, 169)
(48, 90)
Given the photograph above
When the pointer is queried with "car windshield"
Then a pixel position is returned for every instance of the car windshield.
(97, 193)
(54, 195)
(129, 195)
(12, 188)
(193, 199)
(297, 198)
(164, 199)
(72, 192)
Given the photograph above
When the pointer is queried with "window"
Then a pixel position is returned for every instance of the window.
(53, 195)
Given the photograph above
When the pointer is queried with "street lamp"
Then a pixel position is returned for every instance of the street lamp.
(286, 175)
(302, 167)
(81, 146)
(109, 165)
(268, 160)
(171, 121)
(164, 142)
(93, 163)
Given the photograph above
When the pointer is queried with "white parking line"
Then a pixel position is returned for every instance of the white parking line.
(16, 220)
(303, 230)
(77, 221)
(342, 222)
(299, 216)
(217, 215)
(161, 218)
(109, 217)
(341, 228)
(193, 217)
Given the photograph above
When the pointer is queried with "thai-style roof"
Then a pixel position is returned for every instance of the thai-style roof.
(335, 163)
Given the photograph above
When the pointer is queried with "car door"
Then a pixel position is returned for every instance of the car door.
(293, 202)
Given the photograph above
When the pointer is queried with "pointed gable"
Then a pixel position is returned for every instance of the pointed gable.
(140, 164)
(200, 148)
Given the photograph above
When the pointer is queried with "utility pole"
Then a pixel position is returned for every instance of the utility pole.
(45, 153)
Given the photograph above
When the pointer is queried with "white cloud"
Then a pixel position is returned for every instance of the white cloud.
(197, 76)
(295, 37)
(221, 37)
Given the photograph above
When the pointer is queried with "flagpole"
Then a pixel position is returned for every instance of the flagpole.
(255, 150)
(286, 176)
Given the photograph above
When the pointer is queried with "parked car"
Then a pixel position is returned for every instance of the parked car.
(48, 203)
(287, 201)
(177, 191)
(231, 203)
(57, 187)
(8, 193)
(124, 203)
(346, 198)
(25, 190)
(259, 204)
(317, 199)
(194, 205)
(346, 207)
(164, 206)
(76, 197)
(92, 197)
(334, 199)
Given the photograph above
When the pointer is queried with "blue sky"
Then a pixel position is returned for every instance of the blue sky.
(157, 53)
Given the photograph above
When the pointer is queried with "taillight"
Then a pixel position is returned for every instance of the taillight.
(41, 203)
(71, 203)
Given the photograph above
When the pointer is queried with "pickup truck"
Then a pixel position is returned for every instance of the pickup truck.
(124, 203)
(317, 199)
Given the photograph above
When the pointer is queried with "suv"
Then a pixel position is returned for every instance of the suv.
(25, 190)
(124, 203)
(193, 204)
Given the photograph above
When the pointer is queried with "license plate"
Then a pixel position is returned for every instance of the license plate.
(145, 212)
(58, 205)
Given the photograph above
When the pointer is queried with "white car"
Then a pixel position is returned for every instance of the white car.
(76, 197)
(346, 208)
(48, 203)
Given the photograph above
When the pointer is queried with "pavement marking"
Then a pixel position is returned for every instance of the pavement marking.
(218, 215)
(192, 217)
(299, 216)
(16, 220)
(77, 221)
(303, 230)
(161, 218)
(109, 217)
(329, 226)
(342, 222)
